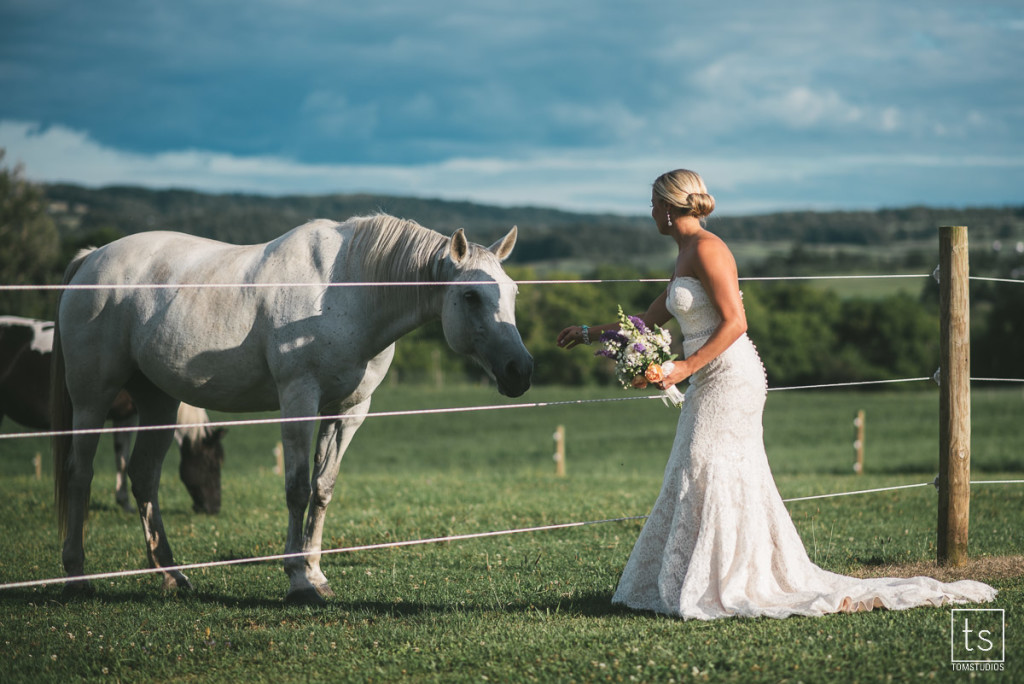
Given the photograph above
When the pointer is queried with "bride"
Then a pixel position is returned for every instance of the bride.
(719, 541)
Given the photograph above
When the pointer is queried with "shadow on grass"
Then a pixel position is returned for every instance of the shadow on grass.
(585, 605)
(141, 597)
(594, 604)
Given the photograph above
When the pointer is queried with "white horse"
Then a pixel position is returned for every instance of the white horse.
(307, 348)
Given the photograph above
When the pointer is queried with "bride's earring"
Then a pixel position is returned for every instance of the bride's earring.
(668, 217)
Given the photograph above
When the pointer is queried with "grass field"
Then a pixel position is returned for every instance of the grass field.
(525, 607)
(872, 288)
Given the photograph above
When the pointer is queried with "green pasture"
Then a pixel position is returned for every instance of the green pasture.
(872, 288)
(522, 607)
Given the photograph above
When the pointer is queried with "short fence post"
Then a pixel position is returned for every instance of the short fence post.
(954, 397)
(858, 443)
(37, 461)
(279, 459)
(560, 451)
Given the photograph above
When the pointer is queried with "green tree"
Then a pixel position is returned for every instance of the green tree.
(793, 326)
(998, 338)
(895, 337)
(71, 244)
(29, 246)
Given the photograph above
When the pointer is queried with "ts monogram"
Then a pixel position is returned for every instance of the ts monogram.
(977, 639)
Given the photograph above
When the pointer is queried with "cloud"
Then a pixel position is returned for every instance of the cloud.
(515, 103)
(335, 118)
(581, 180)
(802, 107)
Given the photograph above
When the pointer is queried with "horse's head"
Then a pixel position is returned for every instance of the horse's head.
(202, 455)
(479, 312)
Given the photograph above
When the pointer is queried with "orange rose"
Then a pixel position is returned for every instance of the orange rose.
(654, 373)
(639, 382)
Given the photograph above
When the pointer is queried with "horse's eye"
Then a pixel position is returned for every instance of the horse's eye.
(471, 297)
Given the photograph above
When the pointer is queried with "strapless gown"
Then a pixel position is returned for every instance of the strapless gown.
(719, 541)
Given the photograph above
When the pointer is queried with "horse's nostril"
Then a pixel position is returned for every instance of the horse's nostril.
(518, 374)
(515, 369)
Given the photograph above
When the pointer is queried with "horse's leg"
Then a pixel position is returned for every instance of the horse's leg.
(296, 438)
(334, 438)
(78, 479)
(122, 450)
(144, 469)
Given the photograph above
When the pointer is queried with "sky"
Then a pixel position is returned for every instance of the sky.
(570, 104)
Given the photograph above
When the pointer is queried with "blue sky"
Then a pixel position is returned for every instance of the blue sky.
(576, 104)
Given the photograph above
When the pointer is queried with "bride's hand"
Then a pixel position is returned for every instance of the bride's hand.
(570, 337)
(675, 373)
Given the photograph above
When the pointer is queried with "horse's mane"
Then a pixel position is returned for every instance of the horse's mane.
(195, 419)
(389, 249)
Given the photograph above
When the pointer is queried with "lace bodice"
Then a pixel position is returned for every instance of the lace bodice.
(692, 307)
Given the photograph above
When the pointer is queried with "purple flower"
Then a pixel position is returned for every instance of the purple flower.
(607, 353)
(639, 347)
(640, 325)
(614, 336)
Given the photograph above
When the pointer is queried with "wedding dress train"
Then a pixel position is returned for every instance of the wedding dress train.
(719, 541)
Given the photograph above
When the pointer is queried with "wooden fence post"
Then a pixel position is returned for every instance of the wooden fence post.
(279, 459)
(560, 451)
(954, 397)
(858, 443)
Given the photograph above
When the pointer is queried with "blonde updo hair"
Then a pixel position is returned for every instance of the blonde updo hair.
(685, 190)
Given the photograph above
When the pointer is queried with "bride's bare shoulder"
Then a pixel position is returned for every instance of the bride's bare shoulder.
(710, 246)
(706, 239)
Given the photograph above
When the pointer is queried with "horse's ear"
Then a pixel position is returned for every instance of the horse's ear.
(503, 247)
(458, 249)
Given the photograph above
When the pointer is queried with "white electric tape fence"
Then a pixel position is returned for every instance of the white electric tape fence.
(434, 411)
(442, 283)
(418, 542)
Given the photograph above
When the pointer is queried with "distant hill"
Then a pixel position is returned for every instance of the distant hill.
(810, 331)
(546, 235)
(241, 218)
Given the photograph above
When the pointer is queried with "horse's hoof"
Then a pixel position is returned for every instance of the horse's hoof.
(176, 581)
(304, 597)
(325, 590)
(77, 589)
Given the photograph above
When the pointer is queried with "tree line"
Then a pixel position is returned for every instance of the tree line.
(547, 234)
(805, 334)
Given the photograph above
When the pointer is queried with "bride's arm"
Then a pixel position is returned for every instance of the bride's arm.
(657, 314)
(716, 269)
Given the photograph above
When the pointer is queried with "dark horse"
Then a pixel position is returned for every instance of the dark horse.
(25, 355)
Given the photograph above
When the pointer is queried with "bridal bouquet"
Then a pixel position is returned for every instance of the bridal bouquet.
(641, 354)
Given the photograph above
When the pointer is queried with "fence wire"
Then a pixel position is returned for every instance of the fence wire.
(458, 537)
(410, 542)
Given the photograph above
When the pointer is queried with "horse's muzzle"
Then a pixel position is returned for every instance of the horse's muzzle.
(515, 377)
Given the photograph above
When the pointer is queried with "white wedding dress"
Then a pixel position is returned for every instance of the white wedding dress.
(719, 542)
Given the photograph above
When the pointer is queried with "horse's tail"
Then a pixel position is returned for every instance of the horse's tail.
(61, 412)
